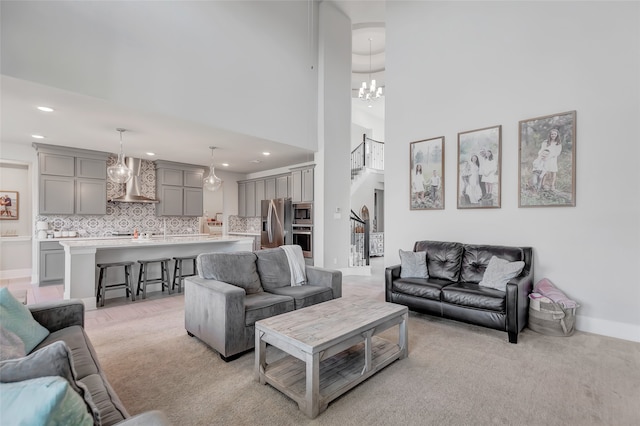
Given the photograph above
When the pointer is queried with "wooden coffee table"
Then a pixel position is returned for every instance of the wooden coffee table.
(332, 347)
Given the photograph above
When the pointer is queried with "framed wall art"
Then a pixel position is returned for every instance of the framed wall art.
(547, 157)
(479, 168)
(9, 209)
(426, 177)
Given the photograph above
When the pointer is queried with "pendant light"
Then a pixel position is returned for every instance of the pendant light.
(371, 92)
(120, 173)
(212, 182)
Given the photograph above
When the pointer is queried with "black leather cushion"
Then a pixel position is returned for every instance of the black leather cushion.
(476, 258)
(443, 258)
(420, 287)
(474, 296)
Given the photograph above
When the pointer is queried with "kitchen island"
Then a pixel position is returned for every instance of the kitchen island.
(81, 257)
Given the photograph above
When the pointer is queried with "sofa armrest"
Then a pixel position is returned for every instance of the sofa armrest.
(214, 313)
(154, 417)
(58, 314)
(325, 277)
(391, 273)
(517, 299)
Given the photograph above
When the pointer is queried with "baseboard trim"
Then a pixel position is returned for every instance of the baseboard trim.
(619, 330)
(15, 273)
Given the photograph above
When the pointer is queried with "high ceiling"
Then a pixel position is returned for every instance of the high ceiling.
(83, 121)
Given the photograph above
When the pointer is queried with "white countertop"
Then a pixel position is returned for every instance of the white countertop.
(144, 242)
(253, 234)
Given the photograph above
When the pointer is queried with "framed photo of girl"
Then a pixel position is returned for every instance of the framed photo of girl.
(547, 157)
(479, 168)
(426, 176)
(9, 205)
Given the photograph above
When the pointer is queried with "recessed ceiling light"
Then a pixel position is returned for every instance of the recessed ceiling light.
(37, 136)
(266, 153)
(225, 164)
(45, 109)
(151, 154)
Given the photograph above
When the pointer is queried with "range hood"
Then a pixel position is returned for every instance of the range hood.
(132, 193)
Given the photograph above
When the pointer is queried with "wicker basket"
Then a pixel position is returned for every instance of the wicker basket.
(552, 319)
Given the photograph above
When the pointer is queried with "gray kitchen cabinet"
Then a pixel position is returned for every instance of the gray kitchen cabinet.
(250, 203)
(302, 185)
(260, 195)
(90, 196)
(51, 263)
(269, 188)
(56, 164)
(71, 180)
(91, 168)
(242, 199)
(56, 195)
(282, 186)
(179, 189)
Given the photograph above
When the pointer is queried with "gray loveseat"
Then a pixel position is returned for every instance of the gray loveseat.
(234, 290)
(65, 322)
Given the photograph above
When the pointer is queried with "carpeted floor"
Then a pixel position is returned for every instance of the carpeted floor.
(456, 374)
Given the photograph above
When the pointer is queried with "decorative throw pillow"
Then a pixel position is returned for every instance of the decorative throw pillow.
(413, 264)
(499, 272)
(54, 359)
(17, 318)
(237, 268)
(11, 346)
(43, 401)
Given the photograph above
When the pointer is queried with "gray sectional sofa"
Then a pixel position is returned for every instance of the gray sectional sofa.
(234, 290)
(65, 322)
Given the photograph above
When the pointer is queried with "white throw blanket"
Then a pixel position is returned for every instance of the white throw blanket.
(296, 264)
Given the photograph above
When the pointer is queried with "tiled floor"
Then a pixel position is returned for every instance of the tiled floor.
(121, 309)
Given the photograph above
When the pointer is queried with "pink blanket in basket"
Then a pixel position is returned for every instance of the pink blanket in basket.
(548, 289)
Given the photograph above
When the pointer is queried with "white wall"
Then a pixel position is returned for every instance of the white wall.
(457, 66)
(332, 173)
(219, 63)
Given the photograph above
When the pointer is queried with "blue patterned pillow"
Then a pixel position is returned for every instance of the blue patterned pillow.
(17, 318)
(43, 401)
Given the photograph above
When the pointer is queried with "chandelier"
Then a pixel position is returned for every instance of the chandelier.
(371, 92)
(120, 173)
(212, 182)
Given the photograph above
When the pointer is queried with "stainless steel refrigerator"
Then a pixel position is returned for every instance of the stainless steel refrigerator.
(276, 222)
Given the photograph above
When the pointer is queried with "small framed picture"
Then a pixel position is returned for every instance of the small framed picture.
(426, 177)
(9, 208)
(547, 157)
(479, 168)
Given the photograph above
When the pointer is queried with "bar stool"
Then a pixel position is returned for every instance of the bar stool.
(178, 275)
(143, 278)
(103, 287)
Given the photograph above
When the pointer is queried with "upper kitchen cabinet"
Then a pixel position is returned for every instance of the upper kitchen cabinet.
(283, 184)
(179, 189)
(302, 185)
(71, 181)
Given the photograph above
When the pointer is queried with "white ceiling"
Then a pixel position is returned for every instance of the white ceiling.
(90, 123)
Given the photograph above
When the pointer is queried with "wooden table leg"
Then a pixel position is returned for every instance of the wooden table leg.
(261, 356)
(403, 338)
(312, 407)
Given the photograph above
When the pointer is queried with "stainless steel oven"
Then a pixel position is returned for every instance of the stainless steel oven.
(303, 236)
(303, 213)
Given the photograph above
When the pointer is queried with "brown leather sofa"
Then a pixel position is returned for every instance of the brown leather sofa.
(452, 290)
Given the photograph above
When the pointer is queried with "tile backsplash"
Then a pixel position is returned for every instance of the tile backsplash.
(125, 217)
(244, 224)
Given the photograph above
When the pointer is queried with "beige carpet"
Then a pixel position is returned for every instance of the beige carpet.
(455, 374)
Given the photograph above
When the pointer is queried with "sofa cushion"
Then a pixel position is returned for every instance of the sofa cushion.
(16, 317)
(413, 264)
(472, 295)
(499, 272)
(305, 295)
(84, 361)
(264, 305)
(106, 400)
(273, 268)
(237, 268)
(11, 346)
(428, 288)
(476, 259)
(48, 400)
(443, 258)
